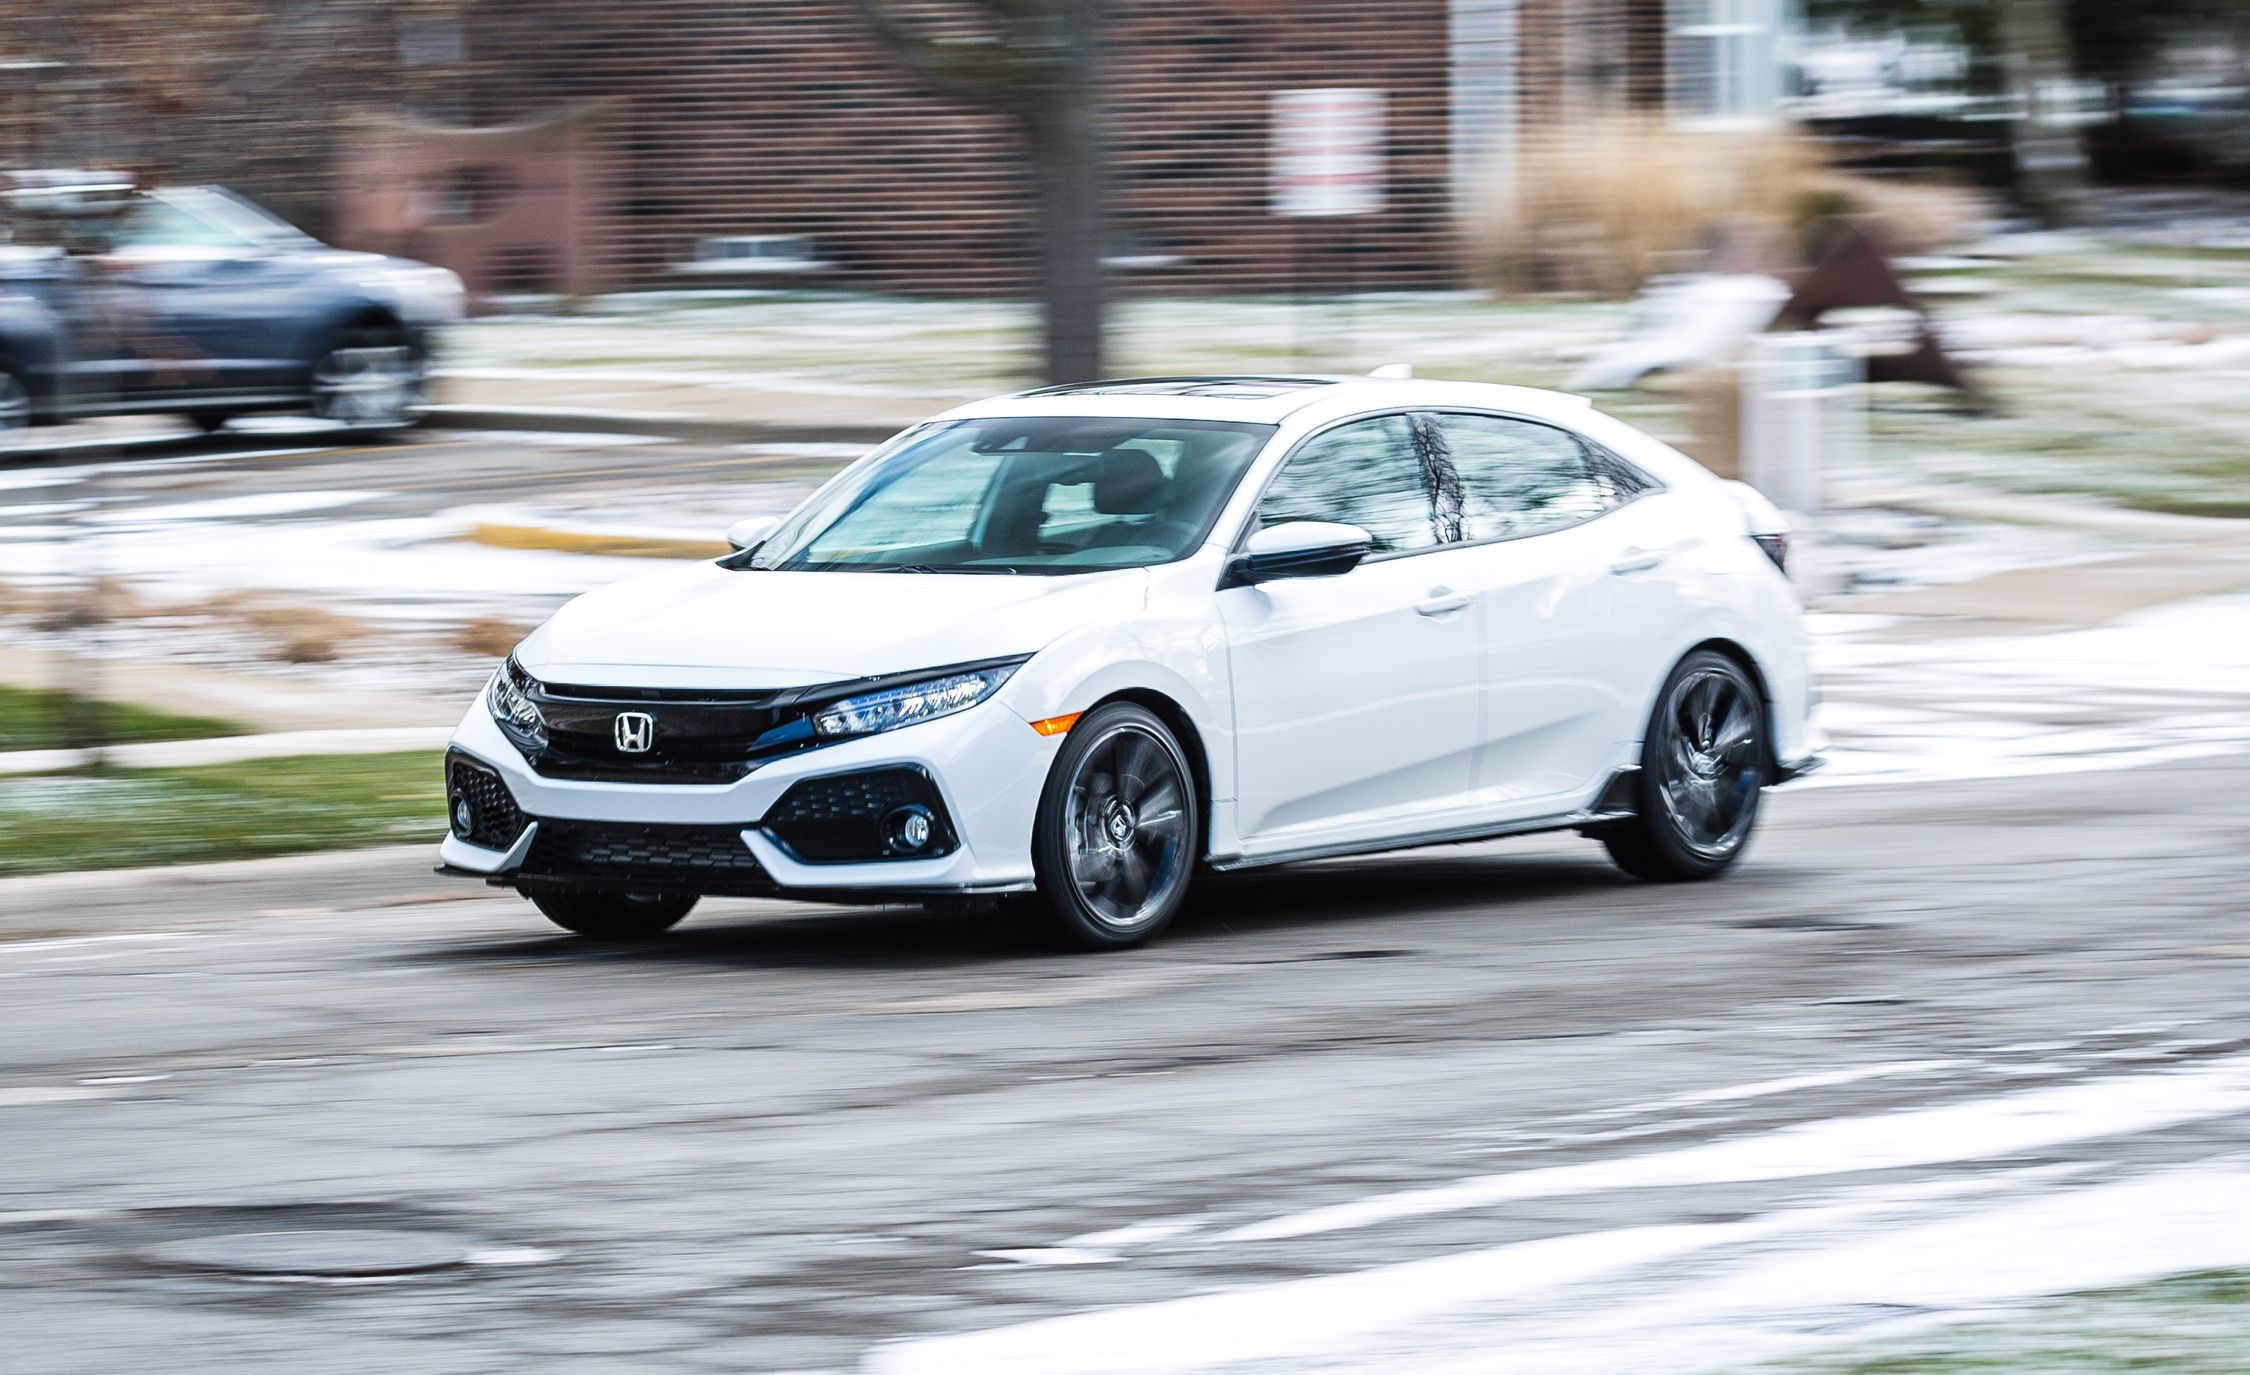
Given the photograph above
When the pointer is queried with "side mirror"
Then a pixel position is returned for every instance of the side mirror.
(749, 534)
(1298, 549)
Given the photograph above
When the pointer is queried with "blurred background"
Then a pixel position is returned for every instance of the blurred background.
(343, 340)
(638, 271)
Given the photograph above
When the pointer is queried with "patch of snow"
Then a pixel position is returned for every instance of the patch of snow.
(1977, 1129)
(251, 506)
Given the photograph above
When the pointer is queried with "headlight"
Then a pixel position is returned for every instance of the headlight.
(512, 707)
(906, 706)
(427, 295)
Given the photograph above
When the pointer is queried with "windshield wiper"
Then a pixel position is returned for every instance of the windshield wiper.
(947, 568)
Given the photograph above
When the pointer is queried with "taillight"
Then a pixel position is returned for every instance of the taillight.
(1777, 549)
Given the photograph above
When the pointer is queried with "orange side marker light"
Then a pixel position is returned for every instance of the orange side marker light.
(1056, 725)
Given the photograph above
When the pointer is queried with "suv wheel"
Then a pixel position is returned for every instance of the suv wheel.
(607, 916)
(371, 380)
(1118, 830)
(15, 408)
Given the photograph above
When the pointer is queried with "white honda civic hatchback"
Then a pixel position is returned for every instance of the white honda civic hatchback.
(1082, 642)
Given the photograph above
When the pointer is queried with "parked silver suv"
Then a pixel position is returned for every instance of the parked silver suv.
(117, 300)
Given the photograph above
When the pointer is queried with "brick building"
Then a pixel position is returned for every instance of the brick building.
(784, 117)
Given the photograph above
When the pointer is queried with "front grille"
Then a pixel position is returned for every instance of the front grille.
(715, 737)
(840, 818)
(494, 819)
(702, 859)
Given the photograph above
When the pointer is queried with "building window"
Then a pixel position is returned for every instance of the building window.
(1484, 90)
(1726, 59)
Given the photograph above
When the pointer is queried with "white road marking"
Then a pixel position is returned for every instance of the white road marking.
(1979, 1129)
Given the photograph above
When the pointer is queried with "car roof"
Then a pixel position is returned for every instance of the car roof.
(1271, 399)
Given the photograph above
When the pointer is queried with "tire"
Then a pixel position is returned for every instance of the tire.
(1119, 831)
(1703, 764)
(371, 379)
(605, 916)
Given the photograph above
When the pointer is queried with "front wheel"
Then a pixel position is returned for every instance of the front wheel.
(613, 916)
(1118, 830)
(1702, 766)
(371, 380)
(15, 409)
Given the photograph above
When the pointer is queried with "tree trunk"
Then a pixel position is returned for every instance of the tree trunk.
(2050, 157)
(1066, 151)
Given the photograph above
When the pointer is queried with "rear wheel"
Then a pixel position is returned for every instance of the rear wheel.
(1118, 830)
(613, 916)
(1702, 766)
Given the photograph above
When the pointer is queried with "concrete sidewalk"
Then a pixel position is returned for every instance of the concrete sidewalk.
(266, 703)
(2189, 557)
(129, 901)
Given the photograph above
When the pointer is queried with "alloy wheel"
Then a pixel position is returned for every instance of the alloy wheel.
(1709, 771)
(1125, 828)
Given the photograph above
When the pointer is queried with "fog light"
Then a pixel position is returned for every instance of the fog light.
(464, 819)
(908, 830)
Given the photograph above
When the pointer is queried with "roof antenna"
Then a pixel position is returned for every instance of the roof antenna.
(1394, 372)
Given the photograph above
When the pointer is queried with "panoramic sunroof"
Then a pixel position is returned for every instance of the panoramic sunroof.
(1225, 388)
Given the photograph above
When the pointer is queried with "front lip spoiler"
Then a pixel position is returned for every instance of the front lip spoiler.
(1789, 771)
(850, 897)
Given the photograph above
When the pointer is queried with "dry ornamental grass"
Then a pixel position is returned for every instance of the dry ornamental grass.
(1599, 208)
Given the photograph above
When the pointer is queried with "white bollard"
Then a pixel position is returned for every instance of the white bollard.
(1804, 413)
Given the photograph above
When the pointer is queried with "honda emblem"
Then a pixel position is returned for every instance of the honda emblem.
(636, 732)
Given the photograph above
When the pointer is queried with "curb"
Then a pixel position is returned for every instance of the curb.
(614, 543)
(127, 901)
(681, 425)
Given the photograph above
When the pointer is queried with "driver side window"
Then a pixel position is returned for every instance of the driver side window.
(1367, 474)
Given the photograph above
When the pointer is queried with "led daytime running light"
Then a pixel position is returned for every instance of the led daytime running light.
(893, 708)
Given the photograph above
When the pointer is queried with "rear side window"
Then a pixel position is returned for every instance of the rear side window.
(1522, 478)
(1369, 473)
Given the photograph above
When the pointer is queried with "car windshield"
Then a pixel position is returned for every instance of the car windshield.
(200, 217)
(1043, 494)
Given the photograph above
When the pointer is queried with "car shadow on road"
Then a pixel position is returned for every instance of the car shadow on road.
(1392, 888)
(1227, 914)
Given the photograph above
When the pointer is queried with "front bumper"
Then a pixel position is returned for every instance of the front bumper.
(986, 766)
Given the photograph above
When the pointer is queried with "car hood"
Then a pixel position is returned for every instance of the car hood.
(707, 626)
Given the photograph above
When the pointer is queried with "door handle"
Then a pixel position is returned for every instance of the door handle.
(1637, 560)
(1443, 601)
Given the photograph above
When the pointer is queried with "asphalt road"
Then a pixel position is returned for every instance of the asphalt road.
(797, 1139)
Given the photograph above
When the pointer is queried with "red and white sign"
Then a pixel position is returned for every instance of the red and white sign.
(1327, 151)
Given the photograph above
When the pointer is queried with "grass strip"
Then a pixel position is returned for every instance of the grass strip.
(2192, 1325)
(34, 720)
(111, 819)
